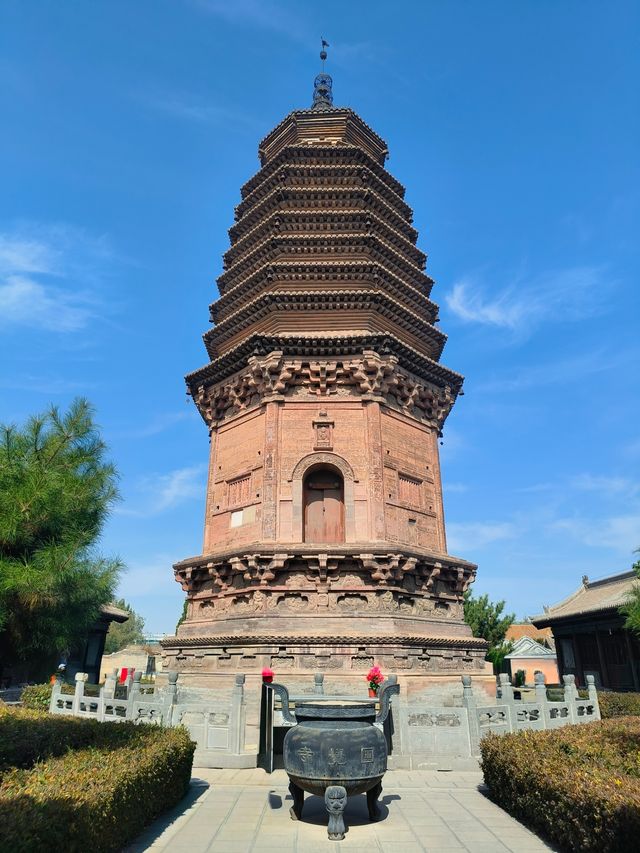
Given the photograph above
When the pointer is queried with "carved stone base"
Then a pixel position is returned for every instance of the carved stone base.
(348, 659)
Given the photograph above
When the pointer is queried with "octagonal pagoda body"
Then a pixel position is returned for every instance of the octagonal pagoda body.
(324, 542)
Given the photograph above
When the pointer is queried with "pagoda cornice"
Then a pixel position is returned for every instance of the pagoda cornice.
(321, 175)
(325, 198)
(324, 345)
(285, 302)
(292, 246)
(323, 222)
(335, 126)
(331, 271)
(370, 376)
(307, 161)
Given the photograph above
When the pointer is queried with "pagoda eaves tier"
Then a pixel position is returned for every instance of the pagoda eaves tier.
(324, 396)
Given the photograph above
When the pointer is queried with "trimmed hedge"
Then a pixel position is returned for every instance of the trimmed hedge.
(36, 696)
(619, 705)
(28, 736)
(96, 786)
(579, 785)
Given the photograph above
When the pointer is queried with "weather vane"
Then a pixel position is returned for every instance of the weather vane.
(323, 52)
(322, 94)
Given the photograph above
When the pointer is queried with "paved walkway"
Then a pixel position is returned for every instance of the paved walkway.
(238, 811)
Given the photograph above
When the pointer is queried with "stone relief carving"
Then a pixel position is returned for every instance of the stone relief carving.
(292, 657)
(368, 374)
(451, 720)
(373, 583)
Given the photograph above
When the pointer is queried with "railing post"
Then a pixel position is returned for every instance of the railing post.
(469, 702)
(506, 689)
(570, 696)
(318, 685)
(593, 696)
(56, 690)
(133, 694)
(170, 698)
(541, 696)
(109, 689)
(78, 696)
(237, 716)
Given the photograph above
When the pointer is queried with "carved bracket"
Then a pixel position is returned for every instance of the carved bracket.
(366, 375)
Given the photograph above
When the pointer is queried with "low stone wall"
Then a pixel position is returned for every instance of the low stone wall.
(448, 738)
(216, 722)
(422, 734)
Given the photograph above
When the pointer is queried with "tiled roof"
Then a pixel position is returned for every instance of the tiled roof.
(590, 597)
(528, 629)
(526, 647)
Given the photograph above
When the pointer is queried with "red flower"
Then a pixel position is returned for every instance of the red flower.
(375, 677)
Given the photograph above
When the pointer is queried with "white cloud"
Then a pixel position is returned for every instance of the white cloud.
(552, 297)
(25, 302)
(612, 486)
(192, 107)
(457, 488)
(40, 270)
(161, 492)
(620, 532)
(24, 254)
(158, 424)
(465, 537)
(259, 14)
(557, 371)
(44, 384)
(148, 576)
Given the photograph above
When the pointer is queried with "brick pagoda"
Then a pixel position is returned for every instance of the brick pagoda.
(324, 541)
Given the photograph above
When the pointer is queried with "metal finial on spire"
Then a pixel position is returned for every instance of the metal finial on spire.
(322, 85)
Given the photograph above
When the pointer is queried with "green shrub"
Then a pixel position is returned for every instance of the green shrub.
(96, 797)
(28, 736)
(519, 678)
(577, 785)
(36, 697)
(619, 705)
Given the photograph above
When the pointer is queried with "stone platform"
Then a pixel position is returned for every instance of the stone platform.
(238, 811)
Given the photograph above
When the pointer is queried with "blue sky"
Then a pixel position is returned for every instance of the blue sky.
(128, 129)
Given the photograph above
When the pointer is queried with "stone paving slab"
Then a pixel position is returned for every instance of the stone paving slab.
(241, 811)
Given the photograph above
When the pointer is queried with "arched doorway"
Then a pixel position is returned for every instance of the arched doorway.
(323, 496)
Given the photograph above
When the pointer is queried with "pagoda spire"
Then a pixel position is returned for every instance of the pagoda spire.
(322, 85)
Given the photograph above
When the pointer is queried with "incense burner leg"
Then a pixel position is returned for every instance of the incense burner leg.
(298, 801)
(335, 799)
(372, 801)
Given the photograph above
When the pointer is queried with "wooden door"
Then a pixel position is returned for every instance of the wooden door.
(324, 508)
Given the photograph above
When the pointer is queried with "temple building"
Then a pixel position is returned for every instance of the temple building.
(324, 396)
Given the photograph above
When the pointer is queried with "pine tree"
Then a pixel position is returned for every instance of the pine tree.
(56, 490)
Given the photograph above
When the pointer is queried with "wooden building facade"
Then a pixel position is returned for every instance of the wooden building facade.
(590, 637)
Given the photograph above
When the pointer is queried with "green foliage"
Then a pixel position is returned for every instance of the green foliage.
(27, 736)
(56, 490)
(631, 609)
(183, 615)
(121, 634)
(96, 786)
(619, 705)
(577, 785)
(36, 697)
(519, 678)
(485, 619)
(497, 655)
